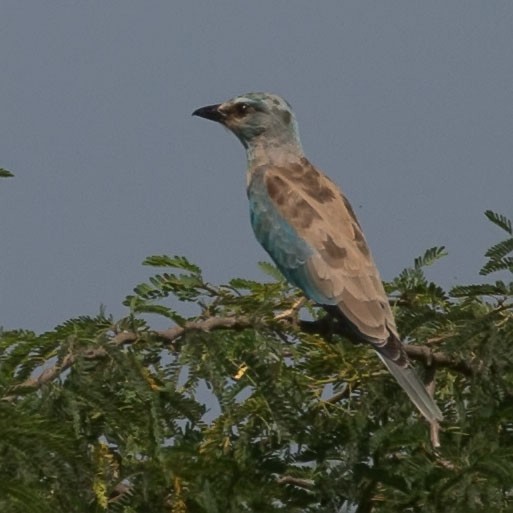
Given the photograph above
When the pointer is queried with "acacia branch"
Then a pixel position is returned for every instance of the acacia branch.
(434, 426)
(170, 335)
(335, 398)
(296, 481)
(431, 358)
(324, 328)
(421, 353)
(53, 372)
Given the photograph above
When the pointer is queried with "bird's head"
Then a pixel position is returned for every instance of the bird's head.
(256, 118)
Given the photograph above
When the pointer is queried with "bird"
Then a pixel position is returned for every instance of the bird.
(310, 230)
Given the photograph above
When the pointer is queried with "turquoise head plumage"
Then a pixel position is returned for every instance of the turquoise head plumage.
(263, 122)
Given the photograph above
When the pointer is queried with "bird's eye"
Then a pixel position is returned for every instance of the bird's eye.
(241, 109)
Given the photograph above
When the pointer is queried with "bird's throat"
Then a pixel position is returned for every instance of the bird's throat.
(273, 152)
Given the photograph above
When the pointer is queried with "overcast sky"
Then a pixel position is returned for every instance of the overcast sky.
(407, 105)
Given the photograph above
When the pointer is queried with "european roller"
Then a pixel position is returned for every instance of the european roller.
(310, 230)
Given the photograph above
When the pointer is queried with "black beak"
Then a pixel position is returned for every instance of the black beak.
(211, 112)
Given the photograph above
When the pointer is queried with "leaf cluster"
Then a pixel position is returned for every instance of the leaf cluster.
(237, 409)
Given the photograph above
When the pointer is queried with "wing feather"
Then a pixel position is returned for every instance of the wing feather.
(340, 267)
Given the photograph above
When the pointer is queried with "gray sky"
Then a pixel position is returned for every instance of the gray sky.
(407, 105)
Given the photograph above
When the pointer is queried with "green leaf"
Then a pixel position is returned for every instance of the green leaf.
(501, 249)
(184, 286)
(430, 256)
(4, 173)
(241, 283)
(176, 262)
(494, 265)
(500, 221)
(271, 270)
(160, 310)
(485, 289)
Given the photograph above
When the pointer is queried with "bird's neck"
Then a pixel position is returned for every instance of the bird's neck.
(264, 151)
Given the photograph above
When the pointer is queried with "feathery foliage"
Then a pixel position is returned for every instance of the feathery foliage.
(497, 254)
(4, 173)
(237, 409)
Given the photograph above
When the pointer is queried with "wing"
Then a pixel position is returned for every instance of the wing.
(279, 238)
(311, 232)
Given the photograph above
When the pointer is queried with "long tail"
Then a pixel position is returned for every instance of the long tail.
(413, 386)
(393, 355)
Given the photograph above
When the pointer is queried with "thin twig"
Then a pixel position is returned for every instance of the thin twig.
(434, 426)
(335, 398)
(296, 481)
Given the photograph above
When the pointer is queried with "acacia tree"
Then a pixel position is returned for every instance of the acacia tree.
(246, 407)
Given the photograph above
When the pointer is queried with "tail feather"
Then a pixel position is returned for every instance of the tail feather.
(411, 384)
(393, 355)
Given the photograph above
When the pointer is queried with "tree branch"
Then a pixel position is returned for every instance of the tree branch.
(127, 337)
(296, 481)
(431, 358)
(323, 327)
(434, 426)
(335, 398)
(53, 372)
(424, 354)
